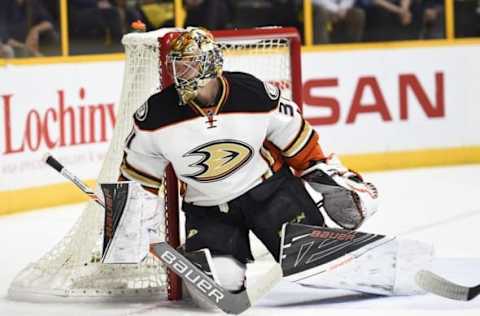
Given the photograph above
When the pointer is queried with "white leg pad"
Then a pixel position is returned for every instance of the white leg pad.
(388, 269)
(137, 228)
(412, 256)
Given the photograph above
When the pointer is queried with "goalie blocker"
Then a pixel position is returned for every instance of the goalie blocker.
(131, 222)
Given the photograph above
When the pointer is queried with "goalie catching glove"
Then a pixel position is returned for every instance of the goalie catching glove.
(346, 198)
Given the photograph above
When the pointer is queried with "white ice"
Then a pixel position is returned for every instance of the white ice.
(437, 205)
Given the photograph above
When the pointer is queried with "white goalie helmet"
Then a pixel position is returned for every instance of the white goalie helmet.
(193, 59)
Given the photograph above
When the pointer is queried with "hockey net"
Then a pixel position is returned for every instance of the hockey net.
(72, 270)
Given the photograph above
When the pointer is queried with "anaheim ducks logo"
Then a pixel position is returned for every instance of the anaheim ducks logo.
(219, 159)
(142, 112)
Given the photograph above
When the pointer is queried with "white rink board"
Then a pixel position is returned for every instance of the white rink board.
(37, 89)
(33, 98)
(458, 126)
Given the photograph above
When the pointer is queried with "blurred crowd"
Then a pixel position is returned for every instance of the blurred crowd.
(31, 27)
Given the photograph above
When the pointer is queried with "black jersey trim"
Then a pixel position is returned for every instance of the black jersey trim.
(247, 94)
(242, 93)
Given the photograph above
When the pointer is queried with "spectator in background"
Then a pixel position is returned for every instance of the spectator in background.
(210, 14)
(258, 13)
(287, 13)
(467, 18)
(95, 19)
(433, 19)
(6, 51)
(337, 21)
(128, 12)
(26, 24)
(156, 13)
(53, 9)
(389, 20)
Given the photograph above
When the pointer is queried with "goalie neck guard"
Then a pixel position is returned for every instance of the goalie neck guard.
(193, 59)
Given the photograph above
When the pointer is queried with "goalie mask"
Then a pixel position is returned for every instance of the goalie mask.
(194, 58)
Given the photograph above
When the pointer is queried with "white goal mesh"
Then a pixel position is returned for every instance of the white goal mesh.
(72, 269)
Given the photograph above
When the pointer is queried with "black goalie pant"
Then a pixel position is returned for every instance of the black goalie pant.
(263, 210)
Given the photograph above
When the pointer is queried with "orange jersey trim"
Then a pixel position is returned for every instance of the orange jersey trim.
(276, 160)
(310, 152)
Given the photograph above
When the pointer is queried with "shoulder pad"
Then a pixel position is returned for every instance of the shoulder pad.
(160, 110)
(251, 93)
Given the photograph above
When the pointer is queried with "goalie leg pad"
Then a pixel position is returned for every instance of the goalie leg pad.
(388, 269)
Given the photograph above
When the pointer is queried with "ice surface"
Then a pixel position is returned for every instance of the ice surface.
(437, 205)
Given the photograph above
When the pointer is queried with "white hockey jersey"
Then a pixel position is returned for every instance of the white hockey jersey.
(221, 152)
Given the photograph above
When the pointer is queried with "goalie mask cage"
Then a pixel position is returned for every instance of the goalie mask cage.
(72, 270)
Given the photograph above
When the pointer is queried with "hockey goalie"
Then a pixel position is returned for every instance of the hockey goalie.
(244, 155)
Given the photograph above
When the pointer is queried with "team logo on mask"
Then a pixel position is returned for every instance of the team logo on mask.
(142, 111)
(219, 159)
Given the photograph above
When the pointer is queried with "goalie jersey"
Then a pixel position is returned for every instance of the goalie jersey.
(223, 151)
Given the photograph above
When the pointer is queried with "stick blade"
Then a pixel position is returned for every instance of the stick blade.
(228, 302)
(435, 284)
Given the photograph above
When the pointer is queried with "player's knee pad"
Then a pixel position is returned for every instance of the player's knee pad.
(225, 270)
(230, 272)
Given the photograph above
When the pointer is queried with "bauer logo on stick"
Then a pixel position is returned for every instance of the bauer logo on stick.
(203, 284)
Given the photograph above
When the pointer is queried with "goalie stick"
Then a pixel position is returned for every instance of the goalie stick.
(55, 164)
(435, 284)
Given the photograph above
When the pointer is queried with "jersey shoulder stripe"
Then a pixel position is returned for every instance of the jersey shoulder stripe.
(162, 109)
(249, 94)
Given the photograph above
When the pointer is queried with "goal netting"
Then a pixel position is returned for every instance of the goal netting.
(72, 269)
